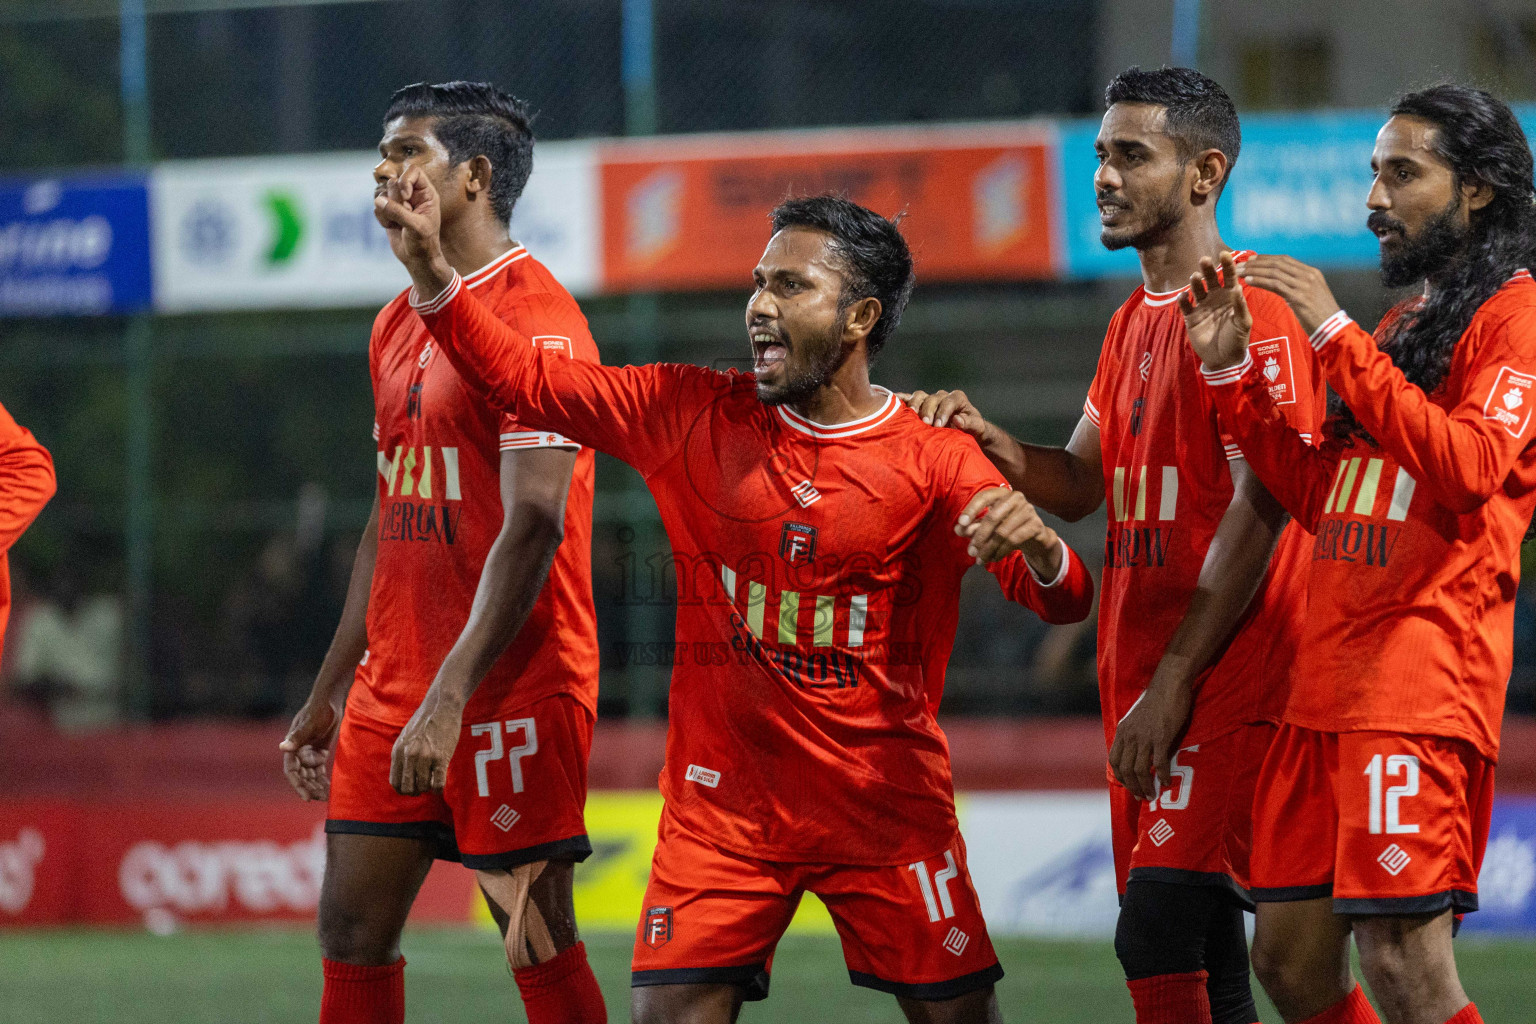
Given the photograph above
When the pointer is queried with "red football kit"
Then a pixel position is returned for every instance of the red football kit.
(516, 785)
(818, 578)
(26, 484)
(1168, 485)
(1379, 789)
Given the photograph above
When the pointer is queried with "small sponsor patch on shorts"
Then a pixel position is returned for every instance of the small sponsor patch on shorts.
(504, 818)
(1394, 859)
(956, 941)
(1160, 832)
(703, 776)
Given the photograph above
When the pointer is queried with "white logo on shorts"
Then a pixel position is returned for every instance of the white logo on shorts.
(504, 818)
(703, 776)
(1160, 832)
(956, 941)
(1394, 858)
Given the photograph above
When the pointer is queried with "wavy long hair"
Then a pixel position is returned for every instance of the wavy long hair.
(1479, 136)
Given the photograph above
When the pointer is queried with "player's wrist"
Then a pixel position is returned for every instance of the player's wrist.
(1227, 371)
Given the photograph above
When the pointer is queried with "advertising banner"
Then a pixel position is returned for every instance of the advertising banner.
(74, 246)
(691, 213)
(299, 231)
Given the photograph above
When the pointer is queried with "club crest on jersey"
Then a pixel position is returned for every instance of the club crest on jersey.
(658, 926)
(797, 543)
(1273, 357)
(413, 403)
(1506, 404)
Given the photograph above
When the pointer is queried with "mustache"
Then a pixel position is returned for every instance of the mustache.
(1380, 221)
(1110, 199)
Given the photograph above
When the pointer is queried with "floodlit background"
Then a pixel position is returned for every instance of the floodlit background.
(189, 268)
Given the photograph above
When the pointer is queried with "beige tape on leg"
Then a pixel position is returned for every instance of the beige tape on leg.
(526, 929)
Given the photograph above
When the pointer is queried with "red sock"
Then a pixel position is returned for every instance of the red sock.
(562, 991)
(1171, 999)
(357, 994)
(1468, 1015)
(1352, 1009)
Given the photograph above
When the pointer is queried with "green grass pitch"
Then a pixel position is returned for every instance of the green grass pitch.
(254, 977)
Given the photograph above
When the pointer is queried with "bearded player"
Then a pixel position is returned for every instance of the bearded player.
(1373, 805)
(1203, 580)
(469, 619)
(820, 532)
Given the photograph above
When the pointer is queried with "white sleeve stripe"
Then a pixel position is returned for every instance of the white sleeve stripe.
(443, 298)
(1061, 574)
(1329, 329)
(536, 439)
(1091, 412)
(1228, 375)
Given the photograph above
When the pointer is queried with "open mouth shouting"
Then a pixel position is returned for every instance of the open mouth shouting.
(768, 349)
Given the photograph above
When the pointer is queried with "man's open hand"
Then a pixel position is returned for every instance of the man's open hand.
(307, 749)
(1216, 315)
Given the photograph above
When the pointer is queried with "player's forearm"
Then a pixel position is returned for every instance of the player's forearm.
(515, 572)
(351, 640)
(27, 483)
(1234, 568)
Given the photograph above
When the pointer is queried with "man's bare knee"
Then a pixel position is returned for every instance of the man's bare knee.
(1411, 966)
(350, 937)
(1301, 957)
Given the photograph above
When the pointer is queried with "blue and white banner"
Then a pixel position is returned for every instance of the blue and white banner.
(74, 246)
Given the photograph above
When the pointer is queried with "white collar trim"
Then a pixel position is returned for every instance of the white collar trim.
(489, 271)
(849, 429)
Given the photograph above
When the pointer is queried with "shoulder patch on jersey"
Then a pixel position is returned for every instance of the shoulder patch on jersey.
(553, 343)
(1272, 359)
(1509, 401)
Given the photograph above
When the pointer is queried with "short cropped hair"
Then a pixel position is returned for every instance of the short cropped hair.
(476, 119)
(1200, 114)
(874, 257)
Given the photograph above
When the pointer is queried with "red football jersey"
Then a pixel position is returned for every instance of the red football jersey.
(439, 480)
(1417, 553)
(26, 484)
(1167, 485)
(818, 577)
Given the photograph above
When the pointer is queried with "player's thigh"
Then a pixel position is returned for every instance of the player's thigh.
(1295, 818)
(711, 917)
(972, 1008)
(553, 894)
(369, 886)
(686, 1004)
(913, 930)
(1412, 824)
(517, 786)
(1198, 830)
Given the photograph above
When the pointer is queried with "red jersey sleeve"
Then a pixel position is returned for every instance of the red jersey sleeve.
(1067, 598)
(1104, 373)
(552, 327)
(635, 413)
(1462, 454)
(1284, 363)
(26, 479)
(1294, 472)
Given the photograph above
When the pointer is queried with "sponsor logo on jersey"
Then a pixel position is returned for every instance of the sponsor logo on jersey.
(505, 817)
(1393, 860)
(1360, 512)
(657, 926)
(1146, 366)
(1273, 358)
(956, 941)
(1507, 403)
(797, 543)
(703, 776)
(553, 343)
(1129, 547)
(1160, 832)
(419, 492)
(426, 356)
(805, 494)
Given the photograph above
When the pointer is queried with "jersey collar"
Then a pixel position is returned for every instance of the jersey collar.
(491, 269)
(826, 431)
(1152, 298)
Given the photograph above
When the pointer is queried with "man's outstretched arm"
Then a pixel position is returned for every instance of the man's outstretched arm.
(534, 487)
(1066, 482)
(633, 413)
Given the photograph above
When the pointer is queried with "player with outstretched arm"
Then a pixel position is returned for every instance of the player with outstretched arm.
(1373, 806)
(821, 531)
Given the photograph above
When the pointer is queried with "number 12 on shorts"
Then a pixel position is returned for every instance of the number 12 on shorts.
(1379, 769)
(939, 886)
(497, 750)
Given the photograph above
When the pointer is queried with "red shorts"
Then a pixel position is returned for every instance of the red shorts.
(1383, 822)
(1198, 830)
(515, 790)
(714, 917)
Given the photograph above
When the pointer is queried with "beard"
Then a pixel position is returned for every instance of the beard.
(1439, 242)
(823, 356)
(1166, 213)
